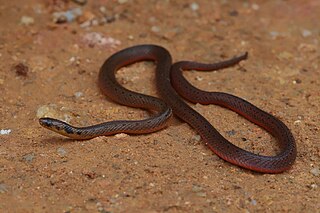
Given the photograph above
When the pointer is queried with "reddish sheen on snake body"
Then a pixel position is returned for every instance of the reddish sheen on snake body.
(170, 83)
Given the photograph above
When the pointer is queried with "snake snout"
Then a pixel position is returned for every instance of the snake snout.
(49, 122)
(45, 122)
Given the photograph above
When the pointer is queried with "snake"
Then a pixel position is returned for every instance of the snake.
(172, 87)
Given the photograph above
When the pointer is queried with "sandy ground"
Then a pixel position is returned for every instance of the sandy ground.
(49, 66)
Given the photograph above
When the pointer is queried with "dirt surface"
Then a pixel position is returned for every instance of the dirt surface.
(49, 66)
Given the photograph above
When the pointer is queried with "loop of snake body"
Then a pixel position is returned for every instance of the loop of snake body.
(171, 86)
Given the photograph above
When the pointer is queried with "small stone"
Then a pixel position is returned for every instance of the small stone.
(21, 69)
(3, 188)
(67, 16)
(315, 171)
(78, 94)
(197, 188)
(233, 13)
(274, 34)
(306, 33)
(155, 29)
(27, 20)
(152, 184)
(198, 78)
(201, 194)
(61, 151)
(297, 81)
(297, 122)
(52, 111)
(93, 39)
(121, 135)
(285, 56)
(29, 157)
(5, 131)
(253, 202)
(231, 132)
(313, 186)
(196, 138)
(255, 7)
(194, 6)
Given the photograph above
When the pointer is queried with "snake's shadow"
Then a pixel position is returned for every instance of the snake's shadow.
(56, 140)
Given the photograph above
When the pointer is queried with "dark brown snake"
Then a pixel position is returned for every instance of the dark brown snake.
(170, 82)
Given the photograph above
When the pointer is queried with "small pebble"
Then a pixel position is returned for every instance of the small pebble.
(233, 13)
(313, 186)
(315, 171)
(297, 81)
(155, 29)
(194, 6)
(27, 20)
(255, 7)
(52, 111)
(3, 188)
(201, 194)
(103, 9)
(28, 157)
(21, 69)
(231, 132)
(306, 33)
(285, 55)
(197, 188)
(274, 34)
(121, 135)
(78, 94)
(196, 138)
(5, 131)
(198, 78)
(151, 184)
(93, 39)
(66, 16)
(61, 151)
(253, 202)
(297, 122)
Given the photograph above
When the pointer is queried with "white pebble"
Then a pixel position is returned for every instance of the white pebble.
(155, 29)
(5, 131)
(255, 6)
(297, 122)
(121, 135)
(196, 138)
(72, 59)
(61, 151)
(78, 94)
(194, 6)
(306, 33)
(253, 202)
(315, 171)
(274, 34)
(198, 78)
(26, 20)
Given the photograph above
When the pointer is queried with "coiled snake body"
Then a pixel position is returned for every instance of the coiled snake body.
(170, 82)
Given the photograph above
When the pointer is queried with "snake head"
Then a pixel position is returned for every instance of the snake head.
(56, 126)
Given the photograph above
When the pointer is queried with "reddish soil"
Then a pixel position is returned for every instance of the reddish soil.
(49, 68)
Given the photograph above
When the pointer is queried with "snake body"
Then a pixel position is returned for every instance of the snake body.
(170, 82)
